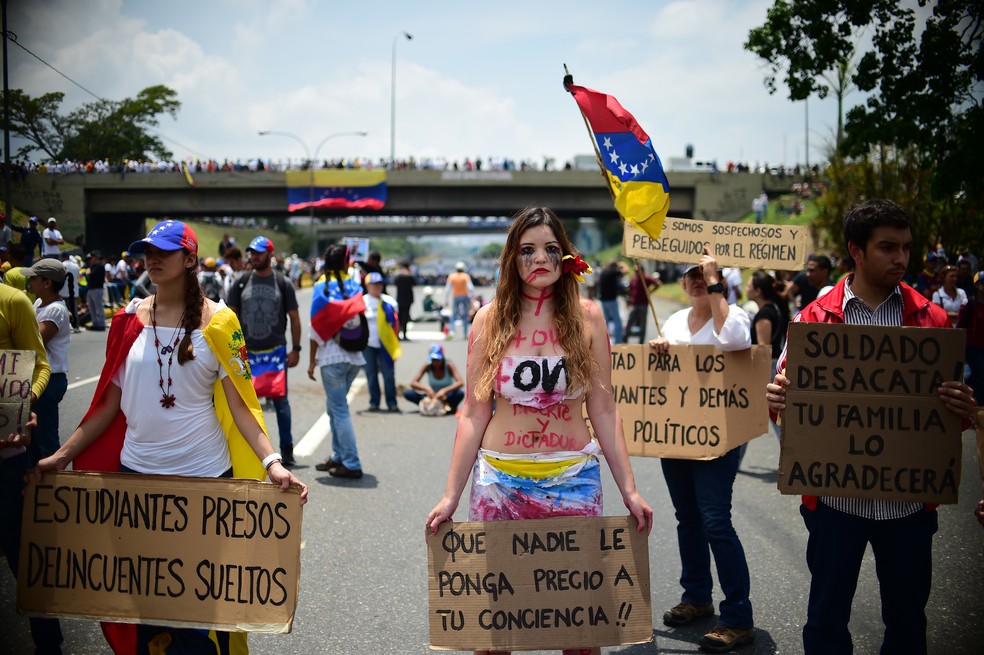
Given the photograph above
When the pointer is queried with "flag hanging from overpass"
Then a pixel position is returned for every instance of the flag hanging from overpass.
(343, 188)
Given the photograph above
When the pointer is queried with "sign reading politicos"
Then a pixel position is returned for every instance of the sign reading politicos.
(682, 240)
(188, 552)
(568, 582)
(862, 415)
(696, 402)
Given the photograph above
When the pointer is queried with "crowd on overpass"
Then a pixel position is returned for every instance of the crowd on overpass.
(20, 169)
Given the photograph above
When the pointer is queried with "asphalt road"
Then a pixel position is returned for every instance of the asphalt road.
(364, 580)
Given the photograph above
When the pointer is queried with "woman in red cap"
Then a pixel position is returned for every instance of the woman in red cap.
(167, 357)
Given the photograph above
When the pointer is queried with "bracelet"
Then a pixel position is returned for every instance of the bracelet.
(270, 459)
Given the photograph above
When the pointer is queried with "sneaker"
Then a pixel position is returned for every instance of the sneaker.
(373, 409)
(722, 639)
(684, 613)
(342, 471)
(287, 452)
(327, 465)
(393, 410)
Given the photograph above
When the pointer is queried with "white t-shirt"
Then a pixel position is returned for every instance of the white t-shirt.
(372, 307)
(943, 299)
(72, 268)
(50, 233)
(57, 347)
(186, 439)
(736, 334)
(120, 272)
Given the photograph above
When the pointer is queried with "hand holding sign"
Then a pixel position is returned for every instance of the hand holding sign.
(958, 398)
(21, 438)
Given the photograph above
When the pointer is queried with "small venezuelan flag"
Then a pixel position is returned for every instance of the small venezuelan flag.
(336, 188)
(635, 173)
(269, 368)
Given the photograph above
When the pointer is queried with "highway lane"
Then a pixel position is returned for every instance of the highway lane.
(364, 588)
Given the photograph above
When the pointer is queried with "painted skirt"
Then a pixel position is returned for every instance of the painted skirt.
(509, 486)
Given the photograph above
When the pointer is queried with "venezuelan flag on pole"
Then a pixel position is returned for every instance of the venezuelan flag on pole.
(341, 187)
(635, 173)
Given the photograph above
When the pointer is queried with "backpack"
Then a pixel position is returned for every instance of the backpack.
(211, 286)
(354, 335)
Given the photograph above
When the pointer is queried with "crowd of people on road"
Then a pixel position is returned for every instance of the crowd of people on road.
(185, 327)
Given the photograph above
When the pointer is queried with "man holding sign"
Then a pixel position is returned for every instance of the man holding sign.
(879, 238)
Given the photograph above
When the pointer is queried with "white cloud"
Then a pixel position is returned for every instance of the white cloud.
(475, 81)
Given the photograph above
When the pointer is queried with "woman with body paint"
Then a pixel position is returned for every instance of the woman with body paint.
(536, 354)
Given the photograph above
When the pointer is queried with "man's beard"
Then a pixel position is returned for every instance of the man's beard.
(262, 265)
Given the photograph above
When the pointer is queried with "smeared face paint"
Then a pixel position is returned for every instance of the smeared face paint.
(538, 259)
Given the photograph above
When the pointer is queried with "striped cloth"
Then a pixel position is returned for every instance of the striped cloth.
(888, 314)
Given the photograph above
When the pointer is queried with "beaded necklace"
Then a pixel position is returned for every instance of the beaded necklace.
(167, 398)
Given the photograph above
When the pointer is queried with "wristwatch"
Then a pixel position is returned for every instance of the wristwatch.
(715, 288)
(297, 347)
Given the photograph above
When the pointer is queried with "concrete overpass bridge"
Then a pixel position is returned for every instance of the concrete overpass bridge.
(109, 209)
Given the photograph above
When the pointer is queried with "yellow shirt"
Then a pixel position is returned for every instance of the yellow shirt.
(19, 331)
(14, 277)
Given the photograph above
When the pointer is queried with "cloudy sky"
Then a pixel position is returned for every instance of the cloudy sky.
(478, 79)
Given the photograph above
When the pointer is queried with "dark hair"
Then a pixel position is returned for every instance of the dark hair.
(336, 262)
(823, 261)
(194, 298)
(16, 250)
(770, 288)
(861, 220)
(232, 252)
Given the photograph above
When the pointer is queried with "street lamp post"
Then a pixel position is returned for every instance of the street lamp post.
(311, 163)
(396, 38)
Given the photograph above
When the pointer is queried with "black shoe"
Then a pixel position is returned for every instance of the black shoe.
(373, 409)
(393, 410)
(327, 465)
(287, 452)
(341, 471)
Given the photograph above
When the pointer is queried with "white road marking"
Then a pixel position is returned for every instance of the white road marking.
(82, 383)
(312, 440)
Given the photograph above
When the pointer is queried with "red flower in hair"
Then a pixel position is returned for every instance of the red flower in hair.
(576, 266)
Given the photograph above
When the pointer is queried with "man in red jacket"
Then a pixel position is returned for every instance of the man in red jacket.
(879, 238)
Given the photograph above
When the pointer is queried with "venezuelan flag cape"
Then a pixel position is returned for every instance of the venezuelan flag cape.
(388, 324)
(269, 369)
(225, 338)
(336, 188)
(635, 173)
(330, 310)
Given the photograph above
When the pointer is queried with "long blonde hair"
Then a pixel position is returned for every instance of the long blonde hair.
(504, 312)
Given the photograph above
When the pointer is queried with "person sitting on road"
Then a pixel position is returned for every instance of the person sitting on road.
(443, 386)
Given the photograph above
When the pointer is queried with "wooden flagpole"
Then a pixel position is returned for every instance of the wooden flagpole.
(608, 185)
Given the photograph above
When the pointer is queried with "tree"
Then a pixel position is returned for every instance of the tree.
(104, 129)
(921, 126)
(490, 251)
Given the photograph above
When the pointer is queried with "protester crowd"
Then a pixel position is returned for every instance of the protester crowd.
(247, 296)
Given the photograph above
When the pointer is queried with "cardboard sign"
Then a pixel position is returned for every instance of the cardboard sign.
(863, 418)
(696, 402)
(358, 248)
(682, 240)
(16, 371)
(215, 553)
(569, 582)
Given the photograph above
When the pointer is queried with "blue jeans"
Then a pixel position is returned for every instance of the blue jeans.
(903, 550)
(45, 441)
(337, 378)
(282, 407)
(612, 317)
(46, 632)
(452, 399)
(701, 495)
(378, 362)
(459, 311)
